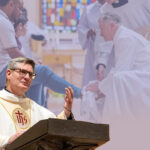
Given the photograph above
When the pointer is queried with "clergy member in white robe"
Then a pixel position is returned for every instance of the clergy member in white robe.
(17, 112)
(126, 88)
(14, 118)
(131, 70)
(88, 32)
(135, 15)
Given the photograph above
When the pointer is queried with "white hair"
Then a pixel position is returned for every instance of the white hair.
(110, 17)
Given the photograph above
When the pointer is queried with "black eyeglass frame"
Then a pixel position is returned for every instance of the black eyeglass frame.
(24, 72)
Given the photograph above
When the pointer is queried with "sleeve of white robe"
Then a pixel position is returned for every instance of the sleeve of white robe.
(102, 52)
(3, 142)
(83, 29)
(124, 59)
(40, 113)
(125, 51)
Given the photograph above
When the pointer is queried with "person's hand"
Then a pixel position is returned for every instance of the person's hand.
(68, 101)
(91, 34)
(15, 136)
(100, 73)
(93, 87)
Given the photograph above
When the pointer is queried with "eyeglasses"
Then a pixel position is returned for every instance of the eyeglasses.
(24, 72)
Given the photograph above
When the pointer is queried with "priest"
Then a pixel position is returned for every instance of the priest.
(17, 112)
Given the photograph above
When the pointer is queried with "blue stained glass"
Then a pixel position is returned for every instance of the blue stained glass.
(60, 5)
(45, 19)
(45, 5)
(44, 11)
(88, 1)
(77, 14)
(61, 1)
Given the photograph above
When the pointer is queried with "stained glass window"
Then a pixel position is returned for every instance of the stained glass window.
(62, 15)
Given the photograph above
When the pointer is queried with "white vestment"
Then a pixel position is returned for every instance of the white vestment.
(89, 20)
(127, 93)
(134, 15)
(31, 114)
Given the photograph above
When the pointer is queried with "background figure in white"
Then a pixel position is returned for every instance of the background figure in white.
(97, 50)
(88, 32)
(134, 14)
(32, 30)
(126, 87)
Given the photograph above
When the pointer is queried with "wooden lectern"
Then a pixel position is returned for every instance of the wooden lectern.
(57, 134)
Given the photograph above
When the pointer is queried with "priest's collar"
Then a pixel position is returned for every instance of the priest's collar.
(7, 89)
(8, 96)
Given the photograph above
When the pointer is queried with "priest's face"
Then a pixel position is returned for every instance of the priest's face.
(106, 30)
(19, 79)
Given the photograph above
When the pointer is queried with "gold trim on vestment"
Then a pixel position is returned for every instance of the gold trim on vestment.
(11, 116)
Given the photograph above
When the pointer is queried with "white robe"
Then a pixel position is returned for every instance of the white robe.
(127, 93)
(7, 125)
(134, 14)
(89, 20)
